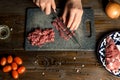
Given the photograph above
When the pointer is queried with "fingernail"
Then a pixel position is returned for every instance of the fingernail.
(68, 27)
(55, 10)
(47, 13)
(71, 29)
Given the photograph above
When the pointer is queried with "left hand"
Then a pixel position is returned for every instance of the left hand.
(75, 11)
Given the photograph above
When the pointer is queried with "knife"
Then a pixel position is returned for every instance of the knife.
(73, 38)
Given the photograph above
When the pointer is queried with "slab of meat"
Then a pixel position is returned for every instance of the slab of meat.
(60, 26)
(41, 36)
(112, 54)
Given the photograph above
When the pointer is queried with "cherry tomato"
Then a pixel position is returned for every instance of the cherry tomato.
(14, 66)
(3, 61)
(21, 69)
(15, 74)
(18, 60)
(9, 59)
(7, 68)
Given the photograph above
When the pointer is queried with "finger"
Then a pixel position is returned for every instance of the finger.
(37, 3)
(71, 19)
(42, 5)
(64, 15)
(54, 5)
(48, 9)
(80, 17)
(77, 20)
(77, 25)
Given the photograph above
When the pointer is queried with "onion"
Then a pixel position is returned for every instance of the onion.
(113, 10)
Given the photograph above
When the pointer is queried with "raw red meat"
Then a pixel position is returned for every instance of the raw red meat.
(112, 54)
(60, 26)
(39, 36)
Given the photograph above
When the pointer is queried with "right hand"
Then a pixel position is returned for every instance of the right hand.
(46, 5)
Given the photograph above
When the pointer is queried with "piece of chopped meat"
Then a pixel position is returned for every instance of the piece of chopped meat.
(112, 54)
(41, 36)
(60, 26)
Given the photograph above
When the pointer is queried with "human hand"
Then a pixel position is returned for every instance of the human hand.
(73, 10)
(45, 5)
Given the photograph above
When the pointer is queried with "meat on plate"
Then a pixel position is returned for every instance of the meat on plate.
(112, 55)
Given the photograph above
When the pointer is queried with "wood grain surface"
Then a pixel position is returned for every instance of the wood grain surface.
(82, 65)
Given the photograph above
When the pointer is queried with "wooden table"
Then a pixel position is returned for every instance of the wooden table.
(64, 65)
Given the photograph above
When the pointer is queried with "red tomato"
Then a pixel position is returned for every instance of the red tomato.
(3, 61)
(7, 68)
(21, 69)
(9, 59)
(15, 74)
(18, 60)
(14, 66)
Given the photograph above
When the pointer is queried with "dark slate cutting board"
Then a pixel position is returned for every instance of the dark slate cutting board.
(36, 18)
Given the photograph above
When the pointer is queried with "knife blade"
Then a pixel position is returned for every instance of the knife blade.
(73, 38)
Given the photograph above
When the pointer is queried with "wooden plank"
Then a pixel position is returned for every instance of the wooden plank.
(53, 65)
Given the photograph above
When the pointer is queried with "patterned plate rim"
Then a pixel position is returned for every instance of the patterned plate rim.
(101, 48)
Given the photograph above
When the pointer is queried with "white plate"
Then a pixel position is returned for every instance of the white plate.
(101, 50)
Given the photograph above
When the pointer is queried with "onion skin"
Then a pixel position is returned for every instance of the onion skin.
(113, 10)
